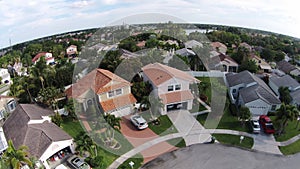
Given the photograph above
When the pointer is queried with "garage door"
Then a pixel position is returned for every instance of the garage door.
(122, 112)
(177, 106)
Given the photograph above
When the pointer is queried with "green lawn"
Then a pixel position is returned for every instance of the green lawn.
(177, 142)
(234, 140)
(73, 128)
(164, 128)
(291, 149)
(228, 121)
(290, 130)
(137, 160)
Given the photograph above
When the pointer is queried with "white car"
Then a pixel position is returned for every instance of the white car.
(61, 166)
(139, 122)
(255, 126)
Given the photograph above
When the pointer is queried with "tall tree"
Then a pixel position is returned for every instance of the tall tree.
(84, 143)
(284, 114)
(284, 95)
(244, 114)
(16, 158)
(114, 123)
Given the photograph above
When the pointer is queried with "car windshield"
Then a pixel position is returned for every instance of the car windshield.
(269, 126)
(84, 166)
(141, 124)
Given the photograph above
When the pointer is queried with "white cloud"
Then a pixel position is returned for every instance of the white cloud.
(33, 18)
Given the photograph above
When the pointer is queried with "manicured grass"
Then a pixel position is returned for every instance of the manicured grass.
(290, 149)
(290, 130)
(177, 142)
(227, 121)
(231, 122)
(164, 127)
(137, 160)
(201, 118)
(234, 140)
(72, 127)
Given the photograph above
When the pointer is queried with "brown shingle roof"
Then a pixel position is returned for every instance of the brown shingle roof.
(97, 80)
(175, 97)
(159, 73)
(37, 137)
(117, 102)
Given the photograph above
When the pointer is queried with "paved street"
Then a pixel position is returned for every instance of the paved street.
(216, 156)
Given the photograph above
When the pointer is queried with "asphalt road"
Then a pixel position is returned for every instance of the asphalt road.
(217, 156)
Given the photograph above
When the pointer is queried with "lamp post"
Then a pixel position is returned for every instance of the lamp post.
(131, 163)
(241, 139)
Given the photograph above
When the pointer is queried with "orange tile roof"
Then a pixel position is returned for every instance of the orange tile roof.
(159, 73)
(175, 97)
(117, 102)
(97, 80)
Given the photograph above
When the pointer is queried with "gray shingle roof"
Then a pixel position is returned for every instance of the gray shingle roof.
(239, 78)
(37, 137)
(296, 96)
(285, 66)
(185, 52)
(284, 81)
(259, 90)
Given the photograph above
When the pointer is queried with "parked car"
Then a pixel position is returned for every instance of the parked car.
(61, 166)
(255, 126)
(77, 163)
(139, 122)
(266, 124)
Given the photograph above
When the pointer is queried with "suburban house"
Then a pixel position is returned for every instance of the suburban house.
(248, 90)
(48, 57)
(71, 51)
(227, 63)
(185, 52)
(31, 125)
(219, 47)
(171, 85)
(261, 63)
(276, 81)
(5, 76)
(296, 98)
(246, 45)
(100, 86)
(192, 44)
(288, 68)
(7, 105)
(127, 54)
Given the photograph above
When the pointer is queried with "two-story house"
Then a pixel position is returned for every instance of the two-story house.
(261, 63)
(248, 90)
(48, 58)
(31, 125)
(103, 87)
(227, 63)
(275, 82)
(71, 51)
(7, 105)
(171, 85)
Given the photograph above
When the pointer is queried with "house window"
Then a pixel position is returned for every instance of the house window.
(11, 105)
(177, 87)
(2, 114)
(111, 93)
(118, 91)
(170, 88)
(273, 107)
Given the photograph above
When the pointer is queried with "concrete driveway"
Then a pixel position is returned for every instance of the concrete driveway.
(186, 123)
(138, 137)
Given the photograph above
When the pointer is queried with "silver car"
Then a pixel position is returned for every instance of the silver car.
(78, 163)
(255, 126)
(139, 122)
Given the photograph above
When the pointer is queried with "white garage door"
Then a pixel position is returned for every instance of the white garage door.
(122, 112)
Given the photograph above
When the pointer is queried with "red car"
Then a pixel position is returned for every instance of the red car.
(266, 124)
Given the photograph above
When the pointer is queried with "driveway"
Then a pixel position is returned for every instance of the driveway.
(138, 137)
(187, 124)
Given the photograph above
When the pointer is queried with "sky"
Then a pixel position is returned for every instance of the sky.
(26, 20)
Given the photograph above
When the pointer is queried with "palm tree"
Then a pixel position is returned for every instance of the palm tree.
(16, 158)
(244, 114)
(284, 94)
(284, 114)
(70, 108)
(114, 123)
(154, 104)
(84, 143)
